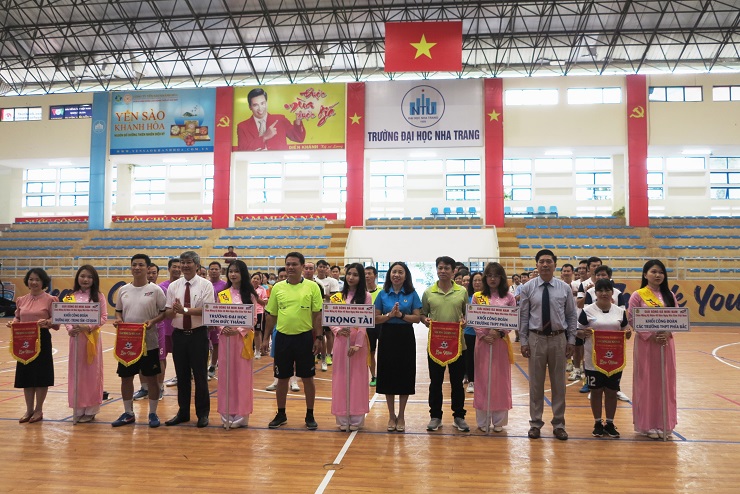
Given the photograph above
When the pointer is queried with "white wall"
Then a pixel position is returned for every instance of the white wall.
(420, 245)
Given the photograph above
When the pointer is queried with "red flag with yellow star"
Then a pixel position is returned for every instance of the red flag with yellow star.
(423, 46)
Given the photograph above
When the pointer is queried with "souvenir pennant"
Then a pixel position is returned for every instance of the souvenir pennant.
(130, 343)
(608, 354)
(445, 342)
(26, 338)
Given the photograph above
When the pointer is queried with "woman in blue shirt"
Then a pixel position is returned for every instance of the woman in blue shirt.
(397, 308)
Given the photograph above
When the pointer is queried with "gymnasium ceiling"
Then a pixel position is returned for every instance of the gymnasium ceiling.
(54, 46)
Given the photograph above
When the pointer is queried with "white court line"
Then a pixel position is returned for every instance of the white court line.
(714, 354)
(341, 454)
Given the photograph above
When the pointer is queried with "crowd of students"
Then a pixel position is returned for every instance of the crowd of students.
(560, 317)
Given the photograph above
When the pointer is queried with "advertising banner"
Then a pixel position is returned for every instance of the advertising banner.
(164, 121)
(281, 118)
(414, 114)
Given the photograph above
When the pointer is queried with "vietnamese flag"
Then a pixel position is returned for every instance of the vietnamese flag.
(423, 46)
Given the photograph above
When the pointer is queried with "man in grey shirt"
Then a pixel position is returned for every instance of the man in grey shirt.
(547, 329)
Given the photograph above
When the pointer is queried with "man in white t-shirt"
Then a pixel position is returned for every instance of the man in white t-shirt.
(140, 302)
(330, 286)
(592, 263)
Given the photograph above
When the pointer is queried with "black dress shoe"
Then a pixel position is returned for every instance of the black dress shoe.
(177, 419)
(202, 422)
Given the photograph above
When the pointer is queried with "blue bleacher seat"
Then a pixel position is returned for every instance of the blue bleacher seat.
(459, 210)
(447, 210)
(541, 210)
(472, 210)
(530, 210)
(554, 210)
(507, 209)
(434, 212)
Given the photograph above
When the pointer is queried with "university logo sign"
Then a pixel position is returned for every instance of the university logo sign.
(423, 106)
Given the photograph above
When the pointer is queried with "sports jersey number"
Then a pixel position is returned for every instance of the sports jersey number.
(591, 380)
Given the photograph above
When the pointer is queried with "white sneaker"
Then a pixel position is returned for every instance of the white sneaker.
(589, 395)
(667, 435)
(575, 375)
(257, 355)
(294, 387)
(569, 367)
(652, 434)
(622, 397)
(470, 387)
(271, 387)
(324, 367)
(171, 382)
(497, 428)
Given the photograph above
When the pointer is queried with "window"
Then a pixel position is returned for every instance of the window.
(655, 178)
(387, 188)
(522, 97)
(675, 93)
(726, 93)
(724, 184)
(462, 181)
(518, 180)
(594, 95)
(334, 184)
(49, 187)
(593, 186)
(264, 189)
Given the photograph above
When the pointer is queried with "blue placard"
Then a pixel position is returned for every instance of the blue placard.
(166, 121)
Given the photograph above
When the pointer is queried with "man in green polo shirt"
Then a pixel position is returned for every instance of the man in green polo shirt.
(445, 301)
(294, 308)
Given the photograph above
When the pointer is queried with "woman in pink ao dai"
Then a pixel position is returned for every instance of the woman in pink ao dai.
(496, 343)
(352, 344)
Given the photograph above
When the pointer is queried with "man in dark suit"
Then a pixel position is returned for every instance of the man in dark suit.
(263, 131)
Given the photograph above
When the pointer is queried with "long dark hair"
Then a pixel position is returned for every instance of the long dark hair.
(246, 290)
(503, 282)
(471, 290)
(408, 285)
(95, 288)
(664, 290)
(361, 290)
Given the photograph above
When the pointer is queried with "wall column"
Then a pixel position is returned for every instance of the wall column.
(221, 214)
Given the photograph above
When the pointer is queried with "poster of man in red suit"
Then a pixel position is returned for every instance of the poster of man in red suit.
(264, 131)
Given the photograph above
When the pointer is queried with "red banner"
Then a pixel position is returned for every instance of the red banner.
(637, 149)
(494, 150)
(162, 217)
(355, 146)
(222, 156)
(286, 216)
(130, 343)
(608, 355)
(26, 341)
(445, 342)
(423, 46)
(53, 219)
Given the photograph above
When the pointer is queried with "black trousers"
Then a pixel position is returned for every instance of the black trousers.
(190, 353)
(437, 376)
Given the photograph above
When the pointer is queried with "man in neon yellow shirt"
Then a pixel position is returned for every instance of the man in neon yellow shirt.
(445, 301)
(294, 308)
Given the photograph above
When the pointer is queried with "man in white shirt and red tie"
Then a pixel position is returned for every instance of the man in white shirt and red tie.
(185, 300)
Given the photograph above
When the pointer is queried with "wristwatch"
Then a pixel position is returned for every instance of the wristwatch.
(185, 310)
